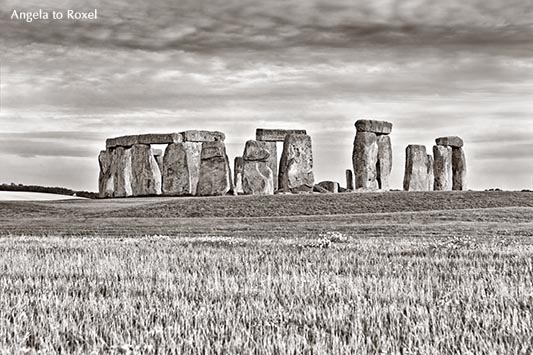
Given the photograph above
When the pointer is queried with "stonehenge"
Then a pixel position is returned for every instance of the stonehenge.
(130, 167)
(372, 155)
(195, 163)
(445, 169)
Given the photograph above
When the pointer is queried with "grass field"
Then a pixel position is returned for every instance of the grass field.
(380, 273)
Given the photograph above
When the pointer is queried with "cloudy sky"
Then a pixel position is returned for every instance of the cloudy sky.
(433, 68)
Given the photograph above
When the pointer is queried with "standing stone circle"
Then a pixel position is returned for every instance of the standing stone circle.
(296, 165)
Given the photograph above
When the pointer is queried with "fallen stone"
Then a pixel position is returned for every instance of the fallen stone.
(373, 126)
(257, 178)
(349, 179)
(146, 175)
(296, 166)
(384, 165)
(416, 168)
(203, 136)
(276, 135)
(256, 151)
(175, 174)
(215, 173)
(122, 171)
(458, 169)
(442, 168)
(331, 186)
(238, 169)
(106, 183)
(431, 176)
(365, 158)
(320, 189)
(452, 141)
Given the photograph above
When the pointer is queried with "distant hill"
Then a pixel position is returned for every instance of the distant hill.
(49, 190)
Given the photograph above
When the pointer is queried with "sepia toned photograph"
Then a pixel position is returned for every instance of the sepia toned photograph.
(266, 177)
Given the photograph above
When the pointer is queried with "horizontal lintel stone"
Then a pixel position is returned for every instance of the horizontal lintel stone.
(276, 135)
(374, 126)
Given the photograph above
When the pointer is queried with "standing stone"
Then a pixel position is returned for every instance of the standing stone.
(431, 176)
(176, 177)
(296, 166)
(365, 159)
(458, 169)
(238, 169)
(122, 171)
(330, 186)
(349, 179)
(258, 178)
(106, 184)
(384, 165)
(442, 167)
(194, 152)
(214, 179)
(146, 175)
(272, 161)
(416, 169)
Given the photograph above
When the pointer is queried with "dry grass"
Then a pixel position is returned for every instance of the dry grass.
(432, 282)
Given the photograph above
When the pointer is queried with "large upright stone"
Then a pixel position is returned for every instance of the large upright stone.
(122, 171)
(106, 179)
(451, 141)
(349, 179)
(276, 135)
(258, 178)
(431, 176)
(442, 168)
(384, 165)
(176, 176)
(416, 168)
(458, 169)
(215, 173)
(272, 161)
(194, 153)
(296, 166)
(373, 126)
(146, 175)
(365, 159)
(203, 136)
(238, 170)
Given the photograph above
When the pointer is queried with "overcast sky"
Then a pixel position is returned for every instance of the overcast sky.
(433, 68)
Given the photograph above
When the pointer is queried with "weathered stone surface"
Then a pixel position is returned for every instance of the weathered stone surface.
(215, 173)
(431, 176)
(442, 168)
(320, 189)
(238, 169)
(276, 135)
(296, 166)
(122, 171)
(384, 165)
(373, 126)
(365, 158)
(458, 169)
(331, 186)
(176, 177)
(194, 153)
(160, 138)
(272, 161)
(129, 141)
(256, 151)
(203, 136)
(257, 178)
(349, 179)
(452, 141)
(416, 168)
(146, 175)
(106, 181)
